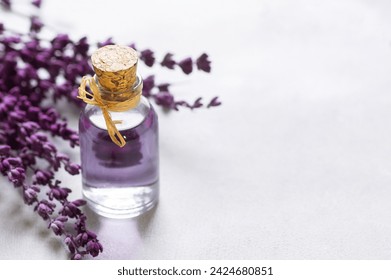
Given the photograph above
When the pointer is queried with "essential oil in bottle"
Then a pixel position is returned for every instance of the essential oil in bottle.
(118, 137)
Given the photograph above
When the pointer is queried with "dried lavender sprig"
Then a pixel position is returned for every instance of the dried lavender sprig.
(163, 96)
(69, 212)
(19, 131)
(202, 62)
(23, 119)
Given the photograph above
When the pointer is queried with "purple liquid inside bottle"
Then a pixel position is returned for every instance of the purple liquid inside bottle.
(120, 182)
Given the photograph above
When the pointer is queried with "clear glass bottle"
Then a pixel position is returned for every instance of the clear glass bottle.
(120, 182)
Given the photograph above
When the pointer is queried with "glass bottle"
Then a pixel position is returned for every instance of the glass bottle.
(119, 182)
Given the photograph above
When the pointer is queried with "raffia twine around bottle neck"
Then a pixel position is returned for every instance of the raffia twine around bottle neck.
(110, 101)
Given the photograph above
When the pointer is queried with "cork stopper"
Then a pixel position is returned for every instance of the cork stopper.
(115, 67)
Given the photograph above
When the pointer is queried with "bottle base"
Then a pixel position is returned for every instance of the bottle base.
(121, 203)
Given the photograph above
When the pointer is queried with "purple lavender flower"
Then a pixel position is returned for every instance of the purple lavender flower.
(59, 193)
(37, 3)
(168, 61)
(133, 46)
(197, 103)
(186, 65)
(163, 87)
(60, 42)
(203, 63)
(73, 71)
(29, 127)
(70, 243)
(182, 103)
(5, 150)
(108, 41)
(81, 47)
(165, 99)
(77, 256)
(45, 208)
(35, 24)
(94, 248)
(13, 162)
(17, 176)
(73, 168)
(148, 57)
(214, 102)
(58, 225)
(84, 236)
(1, 28)
(71, 209)
(43, 177)
(30, 194)
(148, 85)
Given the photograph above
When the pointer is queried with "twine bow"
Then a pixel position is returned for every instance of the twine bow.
(95, 98)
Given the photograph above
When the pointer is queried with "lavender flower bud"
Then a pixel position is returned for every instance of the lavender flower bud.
(60, 42)
(5, 165)
(148, 85)
(5, 150)
(29, 195)
(168, 61)
(181, 103)
(203, 63)
(59, 193)
(30, 127)
(43, 177)
(71, 248)
(62, 157)
(35, 24)
(45, 84)
(72, 168)
(94, 248)
(68, 240)
(45, 209)
(186, 65)
(163, 87)
(165, 99)
(58, 225)
(108, 41)
(82, 46)
(148, 57)
(16, 176)
(197, 103)
(37, 3)
(48, 148)
(79, 202)
(12, 161)
(56, 228)
(70, 209)
(214, 102)
(133, 46)
(77, 256)
(17, 116)
(82, 238)
(9, 101)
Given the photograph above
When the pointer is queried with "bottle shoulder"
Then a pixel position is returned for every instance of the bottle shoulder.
(129, 119)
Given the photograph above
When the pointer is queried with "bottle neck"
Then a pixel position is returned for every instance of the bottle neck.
(121, 96)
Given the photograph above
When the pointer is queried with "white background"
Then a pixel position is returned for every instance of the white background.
(296, 164)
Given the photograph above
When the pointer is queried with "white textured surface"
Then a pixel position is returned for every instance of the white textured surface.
(296, 164)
